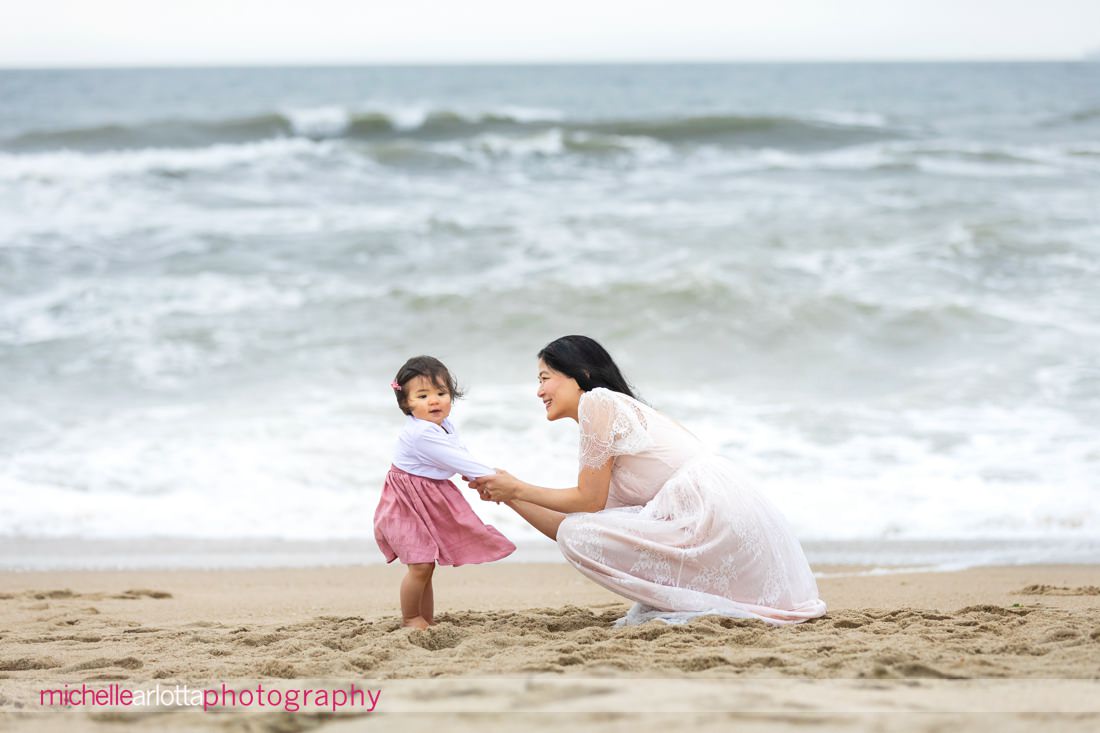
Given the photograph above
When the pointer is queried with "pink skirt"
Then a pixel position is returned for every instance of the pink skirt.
(422, 520)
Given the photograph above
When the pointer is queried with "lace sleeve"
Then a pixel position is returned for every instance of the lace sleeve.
(612, 425)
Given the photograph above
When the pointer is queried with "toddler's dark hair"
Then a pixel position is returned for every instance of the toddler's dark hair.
(430, 368)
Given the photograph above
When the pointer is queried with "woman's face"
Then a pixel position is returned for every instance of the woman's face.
(559, 394)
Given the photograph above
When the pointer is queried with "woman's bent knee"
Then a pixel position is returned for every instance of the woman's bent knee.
(565, 535)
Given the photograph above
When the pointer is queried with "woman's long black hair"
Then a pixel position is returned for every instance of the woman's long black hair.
(586, 361)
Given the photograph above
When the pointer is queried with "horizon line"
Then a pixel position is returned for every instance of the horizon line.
(157, 66)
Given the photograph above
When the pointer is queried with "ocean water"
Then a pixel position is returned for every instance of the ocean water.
(872, 286)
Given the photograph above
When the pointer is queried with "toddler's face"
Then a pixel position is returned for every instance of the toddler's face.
(428, 401)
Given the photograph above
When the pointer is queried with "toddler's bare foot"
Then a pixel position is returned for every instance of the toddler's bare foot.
(417, 622)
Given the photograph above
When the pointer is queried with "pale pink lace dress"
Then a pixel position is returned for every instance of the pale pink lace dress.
(682, 534)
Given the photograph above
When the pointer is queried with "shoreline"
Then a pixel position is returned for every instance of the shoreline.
(26, 554)
(371, 590)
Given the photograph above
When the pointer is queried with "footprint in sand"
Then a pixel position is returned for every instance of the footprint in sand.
(917, 669)
(1058, 590)
(849, 623)
(436, 638)
(275, 668)
(54, 594)
(1060, 634)
(138, 593)
(23, 664)
(103, 662)
(66, 594)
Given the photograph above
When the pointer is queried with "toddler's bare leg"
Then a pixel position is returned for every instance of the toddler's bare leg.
(418, 577)
(427, 604)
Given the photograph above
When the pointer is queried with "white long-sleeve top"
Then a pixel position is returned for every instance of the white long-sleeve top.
(426, 449)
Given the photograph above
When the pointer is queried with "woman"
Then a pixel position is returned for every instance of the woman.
(653, 516)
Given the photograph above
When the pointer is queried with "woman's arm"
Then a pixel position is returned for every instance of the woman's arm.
(589, 495)
(544, 520)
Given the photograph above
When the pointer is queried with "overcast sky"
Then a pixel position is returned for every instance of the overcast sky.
(218, 32)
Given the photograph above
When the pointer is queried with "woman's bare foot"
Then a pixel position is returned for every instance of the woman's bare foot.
(417, 622)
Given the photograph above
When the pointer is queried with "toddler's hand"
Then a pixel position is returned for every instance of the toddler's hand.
(476, 486)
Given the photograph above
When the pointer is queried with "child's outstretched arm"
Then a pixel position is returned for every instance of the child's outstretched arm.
(439, 449)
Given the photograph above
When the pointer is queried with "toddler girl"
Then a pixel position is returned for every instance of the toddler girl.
(422, 518)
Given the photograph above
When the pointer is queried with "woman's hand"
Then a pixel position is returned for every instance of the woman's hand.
(480, 492)
(500, 486)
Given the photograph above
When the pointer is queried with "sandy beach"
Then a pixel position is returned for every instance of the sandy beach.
(532, 645)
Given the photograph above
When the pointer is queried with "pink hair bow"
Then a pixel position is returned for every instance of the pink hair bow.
(396, 386)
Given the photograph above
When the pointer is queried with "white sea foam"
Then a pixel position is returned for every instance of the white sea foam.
(312, 471)
(944, 157)
(409, 116)
(547, 143)
(528, 114)
(209, 473)
(95, 308)
(859, 119)
(318, 122)
(87, 167)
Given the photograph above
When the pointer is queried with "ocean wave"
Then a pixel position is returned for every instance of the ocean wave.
(843, 117)
(93, 308)
(314, 123)
(155, 134)
(554, 142)
(941, 157)
(743, 130)
(167, 162)
(814, 130)
(954, 158)
(312, 469)
(168, 331)
(1086, 115)
(957, 158)
(70, 165)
